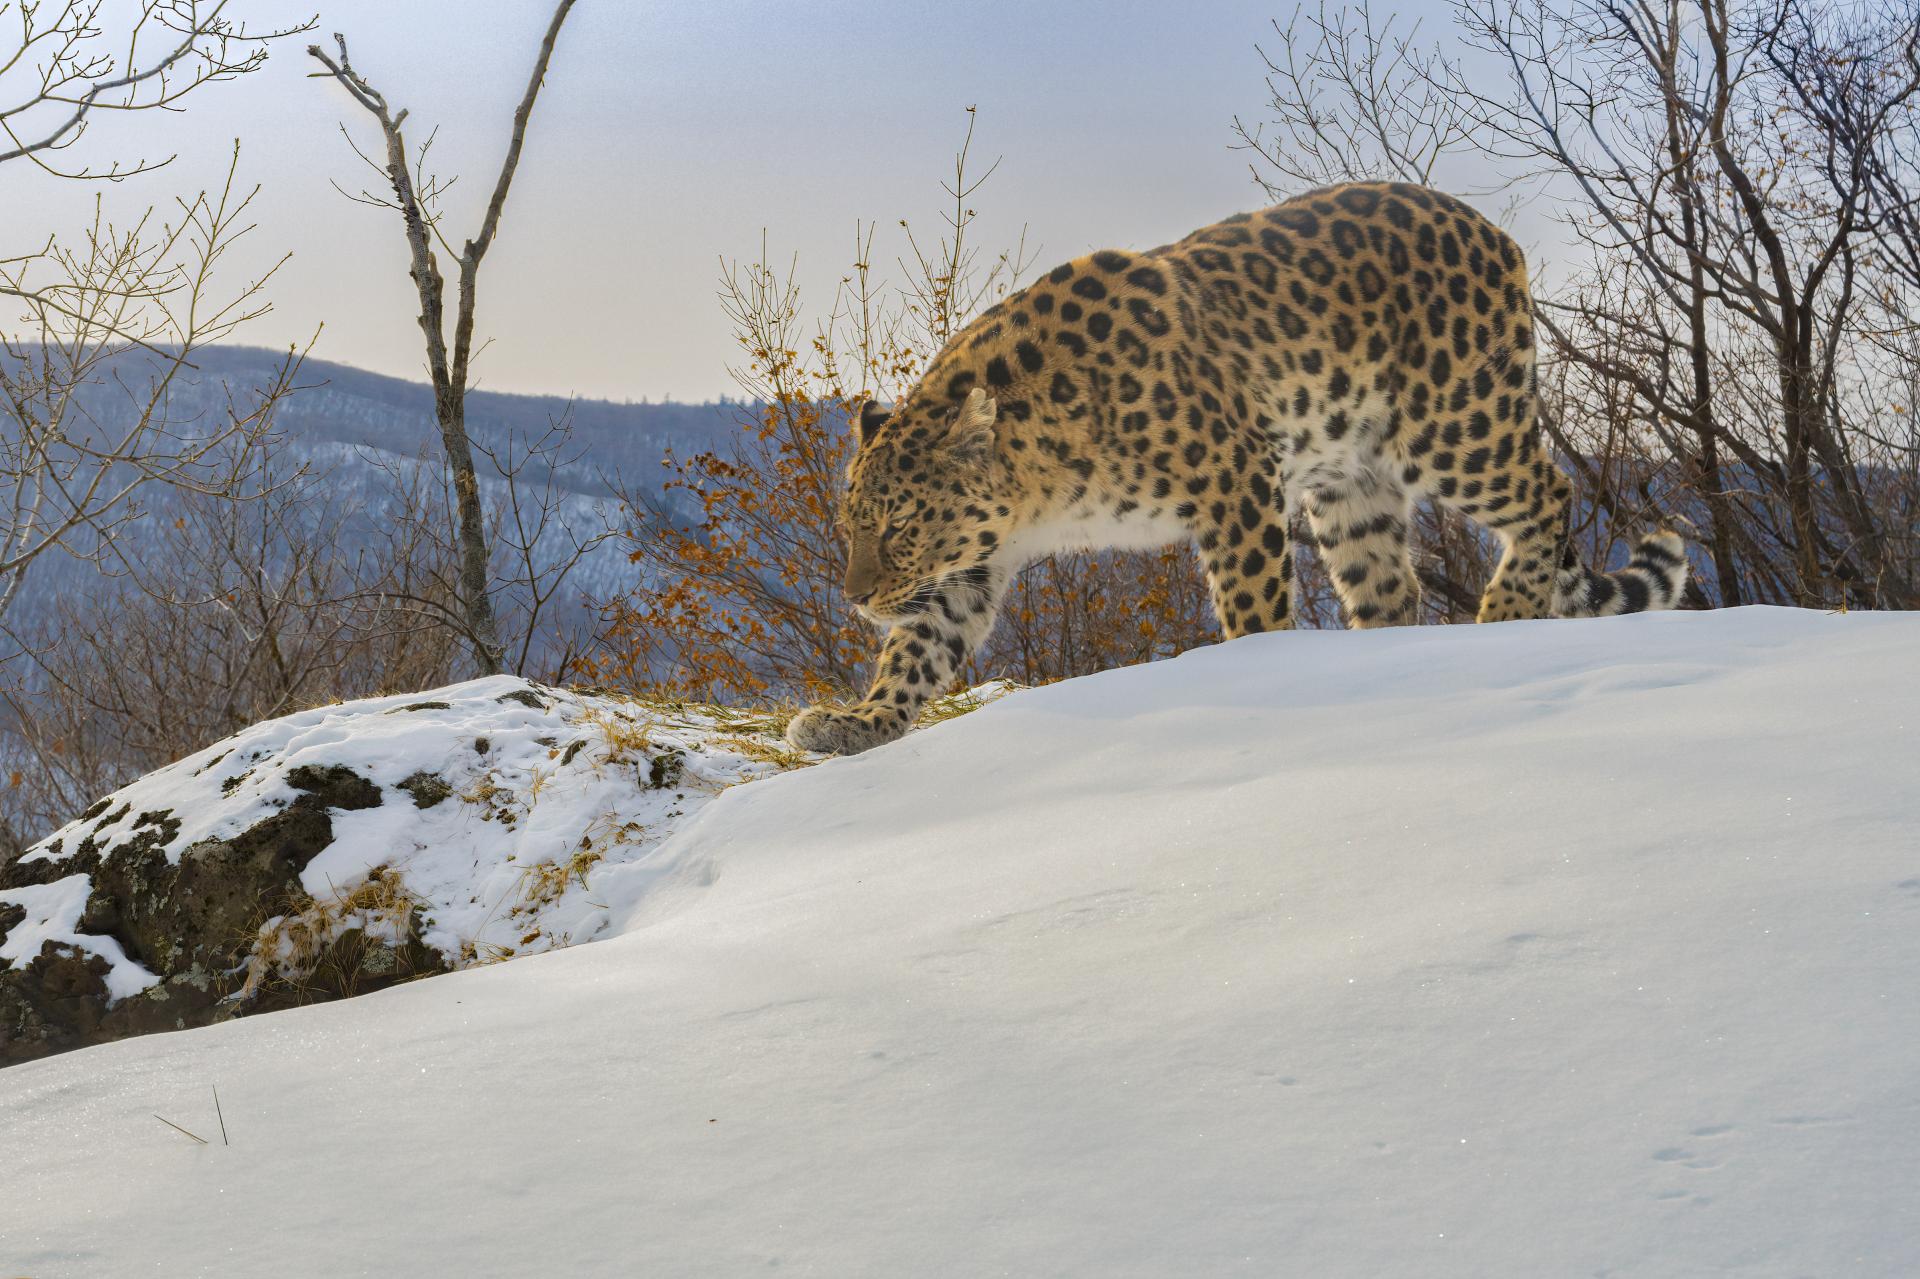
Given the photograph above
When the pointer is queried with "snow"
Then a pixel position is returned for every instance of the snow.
(53, 915)
(544, 788)
(1560, 948)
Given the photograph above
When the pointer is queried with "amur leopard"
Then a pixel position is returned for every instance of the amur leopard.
(1348, 353)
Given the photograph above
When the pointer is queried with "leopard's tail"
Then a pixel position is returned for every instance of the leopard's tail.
(1653, 578)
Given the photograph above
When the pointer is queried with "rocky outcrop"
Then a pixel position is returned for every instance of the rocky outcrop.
(193, 922)
(347, 847)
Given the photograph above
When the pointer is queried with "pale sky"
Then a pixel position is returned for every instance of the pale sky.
(672, 133)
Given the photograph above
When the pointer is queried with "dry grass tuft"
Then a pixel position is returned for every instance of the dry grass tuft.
(546, 882)
(942, 709)
(498, 803)
(626, 739)
(335, 942)
(776, 752)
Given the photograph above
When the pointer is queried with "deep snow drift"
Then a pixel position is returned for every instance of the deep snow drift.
(1560, 948)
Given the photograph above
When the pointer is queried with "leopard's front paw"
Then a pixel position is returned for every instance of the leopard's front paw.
(829, 732)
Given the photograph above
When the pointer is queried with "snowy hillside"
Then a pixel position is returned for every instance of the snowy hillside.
(1542, 949)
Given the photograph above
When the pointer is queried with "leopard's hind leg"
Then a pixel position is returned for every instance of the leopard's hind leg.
(1360, 527)
(1485, 458)
(1533, 532)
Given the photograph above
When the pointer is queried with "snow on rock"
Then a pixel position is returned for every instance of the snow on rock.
(1560, 948)
(478, 821)
(496, 796)
(50, 914)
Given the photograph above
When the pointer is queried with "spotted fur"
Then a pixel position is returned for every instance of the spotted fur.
(1354, 351)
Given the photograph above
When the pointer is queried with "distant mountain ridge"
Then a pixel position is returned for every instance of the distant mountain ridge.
(348, 424)
(341, 404)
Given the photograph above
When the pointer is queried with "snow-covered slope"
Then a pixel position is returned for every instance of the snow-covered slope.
(1538, 949)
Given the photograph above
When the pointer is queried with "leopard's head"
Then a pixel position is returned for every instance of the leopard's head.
(925, 503)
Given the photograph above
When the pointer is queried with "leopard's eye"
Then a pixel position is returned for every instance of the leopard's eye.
(894, 530)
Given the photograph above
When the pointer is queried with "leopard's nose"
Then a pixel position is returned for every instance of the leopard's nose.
(862, 579)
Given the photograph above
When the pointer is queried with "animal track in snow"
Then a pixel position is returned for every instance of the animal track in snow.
(1688, 1158)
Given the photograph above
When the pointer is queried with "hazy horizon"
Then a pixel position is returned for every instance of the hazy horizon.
(671, 136)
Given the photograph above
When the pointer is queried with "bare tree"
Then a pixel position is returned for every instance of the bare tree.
(90, 385)
(1355, 97)
(1732, 347)
(73, 62)
(90, 365)
(416, 196)
(542, 533)
(1747, 231)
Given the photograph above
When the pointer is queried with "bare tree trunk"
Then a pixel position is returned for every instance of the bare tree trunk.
(483, 628)
(1706, 475)
(1787, 325)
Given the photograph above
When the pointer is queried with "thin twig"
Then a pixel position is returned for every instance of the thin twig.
(177, 1128)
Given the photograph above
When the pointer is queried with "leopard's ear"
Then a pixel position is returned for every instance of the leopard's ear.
(970, 435)
(869, 417)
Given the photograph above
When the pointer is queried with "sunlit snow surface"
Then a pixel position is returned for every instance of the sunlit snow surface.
(1540, 949)
(543, 795)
